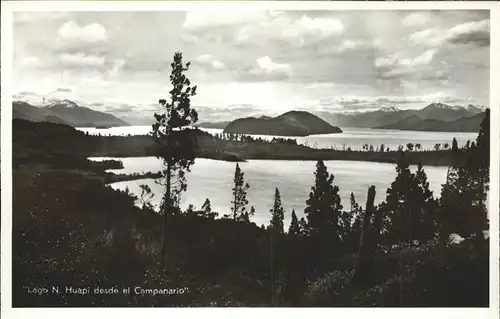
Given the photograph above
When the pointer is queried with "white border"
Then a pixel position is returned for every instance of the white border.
(75, 313)
(494, 196)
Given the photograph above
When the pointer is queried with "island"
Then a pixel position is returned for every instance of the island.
(293, 123)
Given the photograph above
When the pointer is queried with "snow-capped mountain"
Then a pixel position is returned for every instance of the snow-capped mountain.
(389, 109)
(389, 115)
(63, 103)
(65, 112)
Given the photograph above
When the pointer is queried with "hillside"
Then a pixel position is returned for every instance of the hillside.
(391, 115)
(64, 112)
(293, 123)
(219, 125)
(415, 123)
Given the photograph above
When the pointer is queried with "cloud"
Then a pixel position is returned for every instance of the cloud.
(80, 60)
(71, 31)
(415, 19)
(295, 31)
(306, 26)
(20, 96)
(30, 17)
(277, 60)
(208, 61)
(117, 67)
(349, 45)
(72, 38)
(396, 66)
(29, 62)
(203, 20)
(58, 90)
(247, 27)
(267, 68)
(476, 33)
(364, 102)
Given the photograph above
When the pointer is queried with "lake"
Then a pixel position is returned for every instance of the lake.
(351, 137)
(214, 179)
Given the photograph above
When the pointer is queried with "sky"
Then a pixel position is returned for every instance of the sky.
(250, 63)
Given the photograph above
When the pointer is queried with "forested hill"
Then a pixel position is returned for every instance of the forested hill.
(293, 123)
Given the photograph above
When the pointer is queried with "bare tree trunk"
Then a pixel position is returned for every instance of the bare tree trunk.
(364, 264)
(271, 266)
(377, 226)
(479, 240)
(166, 211)
(235, 207)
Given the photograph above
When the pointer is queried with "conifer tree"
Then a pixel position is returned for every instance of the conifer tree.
(277, 214)
(398, 204)
(294, 229)
(304, 230)
(206, 207)
(426, 207)
(146, 196)
(454, 146)
(463, 208)
(245, 217)
(323, 206)
(206, 210)
(239, 200)
(354, 235)
(176, 146)
(363, 270)
(410, 206)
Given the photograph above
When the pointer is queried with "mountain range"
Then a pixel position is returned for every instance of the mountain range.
(432, 117)
(415, 123)
(293, 123)
(65, 112)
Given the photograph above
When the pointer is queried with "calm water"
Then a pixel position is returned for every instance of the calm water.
(214, 180)
(351, 137)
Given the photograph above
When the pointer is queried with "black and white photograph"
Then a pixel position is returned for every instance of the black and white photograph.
(250, 157)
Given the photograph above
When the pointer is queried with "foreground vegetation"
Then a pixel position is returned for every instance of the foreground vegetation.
(69, 229)
(72, 234)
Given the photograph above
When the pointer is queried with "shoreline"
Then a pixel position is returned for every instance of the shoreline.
(67, 142)
(428, 158)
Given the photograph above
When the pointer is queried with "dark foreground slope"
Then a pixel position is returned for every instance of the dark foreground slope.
(73, 234)
(293, 123)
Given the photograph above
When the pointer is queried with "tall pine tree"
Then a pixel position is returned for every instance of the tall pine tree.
(277, 214)
(400, 204)
(324, 207)
(239, 200)
(454, 146)
(426, 208)
(176, 146)
(294, 229)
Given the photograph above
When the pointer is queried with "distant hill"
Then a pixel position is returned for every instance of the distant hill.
(65, 112)
(293, 123)
(391, 115)
(415, 123)
(220, 125)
